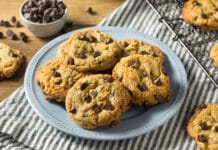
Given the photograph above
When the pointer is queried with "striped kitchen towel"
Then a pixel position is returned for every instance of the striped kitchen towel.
(21, 128)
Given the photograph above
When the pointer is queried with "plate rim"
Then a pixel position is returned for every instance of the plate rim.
(182, 91)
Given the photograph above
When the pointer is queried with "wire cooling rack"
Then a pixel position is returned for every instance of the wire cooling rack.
(196, 41)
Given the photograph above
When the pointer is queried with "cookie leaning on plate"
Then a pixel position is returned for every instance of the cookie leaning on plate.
(90, 50)
(203, 126)
(214, 54)
(145, 78)
(131, 46)
(10, 61)
(202, 13)
(96, 100)
(55, 78)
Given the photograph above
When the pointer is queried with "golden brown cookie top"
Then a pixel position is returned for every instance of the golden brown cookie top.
(203, 126)
(214, 54)
(203, 13)
(145, 78)
(10, 61)
(96, 100)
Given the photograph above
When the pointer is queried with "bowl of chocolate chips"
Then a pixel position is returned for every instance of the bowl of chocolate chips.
(43, 18)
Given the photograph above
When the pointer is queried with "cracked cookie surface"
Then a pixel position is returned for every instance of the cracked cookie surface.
(203, 126)
(97, 100)
(55, 78)
(10, 61)
(90, 50)
(131, 46)
(145, 78)
(202, 13)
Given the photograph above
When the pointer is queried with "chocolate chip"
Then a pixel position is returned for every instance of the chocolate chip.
(2, 22)
(13, 37)
(144, 53)
(21, 34)
(90, 11)
(108, 106)
(17, 24)
(133, 64)
(7, 24)
(87, 99)
(83, 86)
(58, 82)
(153, 54)
(96, 54)
(97, 108)
(110, 80)
(216, 128)
(1, 35)
(73, 110)
(13, 19)
(108, 41)
(94, 94)
(144, 74)
(204, 126)
(157, 82)
(202, 138)
(70, 61)
(216, 9)
(92, 39)
(53, 70)
(9, 32)
(142, 87)
(202, 106)
(83, 38)
(82, 56)
(120, 79)
(195, 18)
(157, 97)
(125, 44)
(13, 55)
(24, 39)
(196, 3)
(56, 74)
(71, 83)
(204, 16)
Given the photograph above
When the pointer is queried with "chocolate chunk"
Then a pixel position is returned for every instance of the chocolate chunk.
(125, 44)
(83, 86)
(108, 106)
(92, 39)
(7, 24)
(133, 64)
(96, 54)
(108, 41)
(13, 55)
(204, 16)
(144, 53)
(82, 56)
(204, 126)
(13, 19)
(70, 83)
(153, 54)
(24, 39)
(90, 11)
(1, 35)
(83, 38)
(202, 106)
(17, 24)
(56, 74)
(142, 87)
(94, 94)
(196, 3)
(87, 99)
(70, 61)
(202, 138)
(157, 82)
(110, 80)
(58, 82)
(9, 32)
(53, 70)
(216, 128)
(97, 108)
(13, 36)
(120, 79)
(73, 110)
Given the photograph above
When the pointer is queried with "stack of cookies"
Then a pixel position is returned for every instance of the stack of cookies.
(99, 78)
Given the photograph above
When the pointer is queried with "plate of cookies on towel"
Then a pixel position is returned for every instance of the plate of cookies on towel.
(105, 83)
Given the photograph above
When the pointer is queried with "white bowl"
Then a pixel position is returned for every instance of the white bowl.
(41, 29)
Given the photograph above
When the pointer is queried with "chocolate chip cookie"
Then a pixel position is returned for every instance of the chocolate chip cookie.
(91, 50)
(203, 126)
(10, 61)
(214, 54)
(96, 100)
(145, 78)
(131, 46)
(55, 78)
(202, 13)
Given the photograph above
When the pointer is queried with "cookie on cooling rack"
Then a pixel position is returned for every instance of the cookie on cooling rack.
(97, 100)
(131, 46)
(145, 78)
(214, 54)
(10, 61)
(55, 78)
(202, 13)
(203, 126)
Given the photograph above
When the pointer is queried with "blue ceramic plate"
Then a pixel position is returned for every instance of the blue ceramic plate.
(136, 121)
